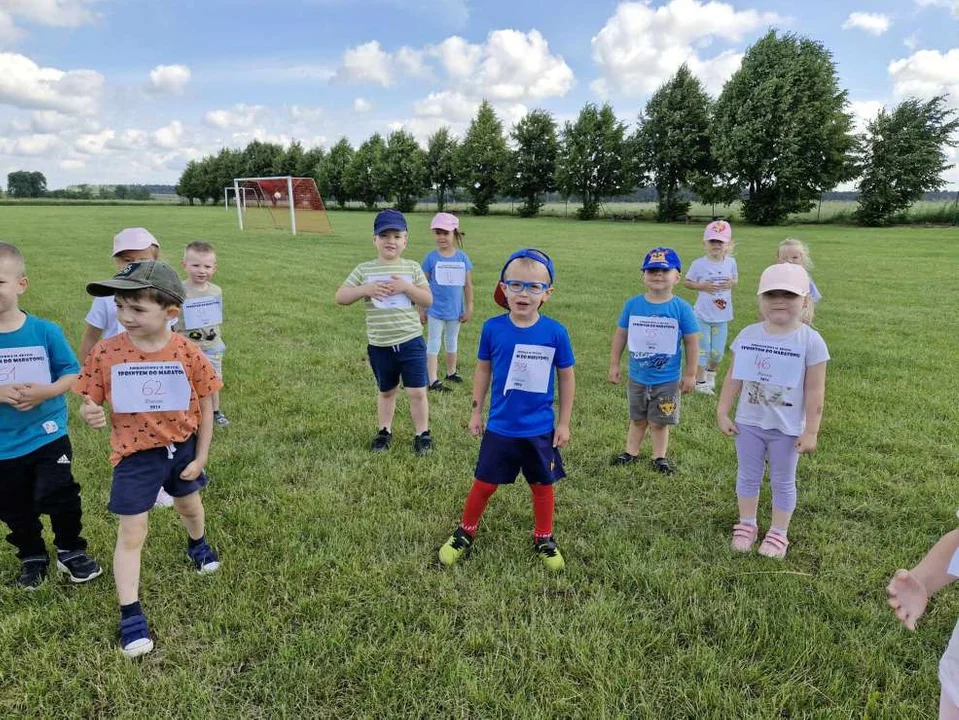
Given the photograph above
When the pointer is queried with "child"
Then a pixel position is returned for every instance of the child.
(910, 590)
(518, 352)
(396, 349)
(203, 311)
(714, 276)
(778, 373)
(450, 274)
(796, 252)
(159, 386)
(37, 367)
(657, 327)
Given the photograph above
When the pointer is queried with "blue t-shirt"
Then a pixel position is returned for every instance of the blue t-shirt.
(22, 353)
(526, 359)
(656, 368)
(447, 298)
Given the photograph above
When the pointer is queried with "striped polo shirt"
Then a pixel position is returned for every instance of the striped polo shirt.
(386, 326)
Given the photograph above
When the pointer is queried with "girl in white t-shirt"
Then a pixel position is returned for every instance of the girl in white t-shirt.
(778, 374)
(796, 252)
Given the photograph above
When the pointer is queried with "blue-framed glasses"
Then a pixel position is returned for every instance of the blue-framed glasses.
(533, 288)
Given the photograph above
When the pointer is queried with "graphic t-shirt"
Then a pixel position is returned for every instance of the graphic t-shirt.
(396, 319)
(713, 307)
(447, 276)
(201, 307)
(654, 336)
(39, 353)
(523, 363)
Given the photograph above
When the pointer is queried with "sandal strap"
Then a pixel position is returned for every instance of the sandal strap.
(776, 540)
(745, 531)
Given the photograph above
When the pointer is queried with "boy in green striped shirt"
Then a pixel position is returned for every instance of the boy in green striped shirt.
(392, 287)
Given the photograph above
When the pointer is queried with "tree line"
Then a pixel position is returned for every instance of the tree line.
(33, 184)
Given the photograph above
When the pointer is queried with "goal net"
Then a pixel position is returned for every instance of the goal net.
(281, 203)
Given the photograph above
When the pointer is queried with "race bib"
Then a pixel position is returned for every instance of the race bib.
(770, 363)
(450, 273)
(202, 312)
(399, 300)
(24, 365)
(652, 335)
(530, 368)
(149, 387)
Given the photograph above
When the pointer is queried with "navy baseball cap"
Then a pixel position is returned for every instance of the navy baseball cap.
(662, 258)
(531, 253)
(389, 219)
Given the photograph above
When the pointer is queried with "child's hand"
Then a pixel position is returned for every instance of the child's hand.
(806, 443)
(422, 316)
(727, 426)
(475, 425)
(561, 436)
(465, 317)
(907, 596)
(378, 290)
(192, 471)
(31, 395)
(687, 383)
(92, 414)
(615, 374)
(10, 394)
(399, 284)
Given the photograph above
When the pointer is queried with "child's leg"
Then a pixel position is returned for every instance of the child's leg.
(635, 435)
(705, 340)
(385, 407)
(544, 503)
(58, 495)
(751, 453)
(190, 509)
(419, 409)
(435, 336)
(717, 346)
(452, 345)
(131, 534)
(476, 502)
(659, 437)
(947, 709)
(17, 509)
(783, 460)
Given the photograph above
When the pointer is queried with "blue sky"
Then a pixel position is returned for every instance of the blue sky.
(130, 90)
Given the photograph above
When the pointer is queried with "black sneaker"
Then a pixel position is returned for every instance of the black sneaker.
(437, 386)
(381, 443)
(662, 465)
(33, 574)
(220, 419)
(78, 565)
(624, 459)
(423, 444)
(454, 378)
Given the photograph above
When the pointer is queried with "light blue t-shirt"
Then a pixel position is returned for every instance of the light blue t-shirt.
(447, 298)
(657, 368)
(523, 358)
(21, 359)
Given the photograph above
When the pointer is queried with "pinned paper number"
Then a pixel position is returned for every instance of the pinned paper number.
(202, 312)
(24, 365)
(652, 335)
(398, 300)
(450, 273)
(769, 363)
(149, 387)
(530, 368)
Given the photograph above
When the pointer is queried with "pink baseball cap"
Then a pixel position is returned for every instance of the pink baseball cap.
(133, 239)
(785, 276)
(445, 221)
(718, 230)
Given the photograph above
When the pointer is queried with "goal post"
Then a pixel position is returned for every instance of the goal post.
(281, 202)
(239, 195)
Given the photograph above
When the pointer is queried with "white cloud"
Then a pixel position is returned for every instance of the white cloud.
(169, 137)
(10, 34)
(458, 57)
(301, 113)
(55, 13)
(365, 63)
(49, 121)
(72, 164)
(912, 42)
(862, 112)
(927, 73)
(951, 4)
(361, 105)
(447, 105)
(168, 79)
(641, 46)
(873, 23)
(37, 144)
(93, 143)
(25, 84)
(239, 116)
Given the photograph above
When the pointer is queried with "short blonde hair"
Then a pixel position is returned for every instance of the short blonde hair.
(12, 253)
(794, 243)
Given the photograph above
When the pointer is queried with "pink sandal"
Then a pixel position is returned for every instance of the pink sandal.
(744, 537)
(774, 546)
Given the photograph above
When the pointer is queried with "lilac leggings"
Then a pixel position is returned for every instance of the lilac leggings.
(753, 444)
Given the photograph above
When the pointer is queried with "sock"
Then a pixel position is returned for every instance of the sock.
(131, 610)
(748, 521)
(476, 501)
(778, 531)
(543, 505)
(193, 543)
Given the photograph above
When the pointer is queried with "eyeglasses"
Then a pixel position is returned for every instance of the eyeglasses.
(533, 288)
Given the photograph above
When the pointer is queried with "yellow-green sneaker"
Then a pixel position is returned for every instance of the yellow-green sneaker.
(454, 548)
(549, 553)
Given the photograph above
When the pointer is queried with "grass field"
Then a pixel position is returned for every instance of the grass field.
(331, 603)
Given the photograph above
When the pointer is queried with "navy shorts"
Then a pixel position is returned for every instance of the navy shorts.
(406, 360)
(139, 477)
(501, 459)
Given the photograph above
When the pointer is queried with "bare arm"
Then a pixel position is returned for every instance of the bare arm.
(468, 294)
(566, 378)
(481, 381)
(616, 355)
(347, 295)
(691, 358)
(91, 336)
(204, 436)
(727, 396)
(814, 394)
(909, 590)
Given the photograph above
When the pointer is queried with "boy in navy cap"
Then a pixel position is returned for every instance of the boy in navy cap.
(657, 327)
(520, 353)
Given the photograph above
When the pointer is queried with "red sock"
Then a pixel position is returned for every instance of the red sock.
(543, 503)
(476, 501)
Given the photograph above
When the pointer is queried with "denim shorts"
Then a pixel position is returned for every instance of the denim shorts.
(139, 477)
(406, 360)
(501, 458)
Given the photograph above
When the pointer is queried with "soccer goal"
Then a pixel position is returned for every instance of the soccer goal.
(282, 203)
(244, 194)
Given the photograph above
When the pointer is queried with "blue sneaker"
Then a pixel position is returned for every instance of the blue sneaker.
(204, 558)
(135, 637)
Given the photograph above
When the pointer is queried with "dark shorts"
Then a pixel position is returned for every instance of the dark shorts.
(658, 404)
(501, 459)
(139, 477)
(406, 360)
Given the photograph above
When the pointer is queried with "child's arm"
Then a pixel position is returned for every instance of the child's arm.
(616, 354)
(691, 357)
(729, 393)
(695, 285)
(814, 394)
(419, 295)
(91, 336)
(93, 415)
(349, 294)
(468, 294)
(910, 590)
(32, 394)
(203, 437)
(567, 390)
(481, 380)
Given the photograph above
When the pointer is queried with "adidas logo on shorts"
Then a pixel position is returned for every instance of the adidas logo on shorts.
(64, 460)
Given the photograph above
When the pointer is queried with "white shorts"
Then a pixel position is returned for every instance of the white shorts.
(949, 668)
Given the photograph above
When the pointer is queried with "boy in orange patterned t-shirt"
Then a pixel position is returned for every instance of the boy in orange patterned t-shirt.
(159, 386)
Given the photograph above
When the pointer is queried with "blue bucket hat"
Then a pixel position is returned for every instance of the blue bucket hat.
(389, 219)
(531, 253)
(662, 258)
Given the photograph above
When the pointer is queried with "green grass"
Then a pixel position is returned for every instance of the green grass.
(330, 602)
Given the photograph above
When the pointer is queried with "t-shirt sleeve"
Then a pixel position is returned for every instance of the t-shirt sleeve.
(203, 377)
(814, 291)
(738, 342)
(564, 357)
(97, 317)
(688, 324)
(816, 350)
(428, 263)
(623, 321)
(355, 278)
(694, 272)
(466, 259)
(419, 277)
(485, 351)
(733, 269)
(91, 383)
(62, 359)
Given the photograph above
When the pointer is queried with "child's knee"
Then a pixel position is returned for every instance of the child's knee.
(188, 505)
(639, 424)
(416, 393)
(389, 394)
(132, 531)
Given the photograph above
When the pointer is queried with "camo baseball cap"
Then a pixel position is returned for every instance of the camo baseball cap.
(140, 276)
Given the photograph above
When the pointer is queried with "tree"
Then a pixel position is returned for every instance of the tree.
(311, 164)
(780, 129)
(901, 156)
(482, 158)
(261, 159)
(366, 174)
(532, 165)
(672, 140)
(594, 158)
(405, 163)
(188, 185)
(332, 182)
(441, 155)
(291, 160)
(26, 184)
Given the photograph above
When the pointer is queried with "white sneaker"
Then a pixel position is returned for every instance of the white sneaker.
(704, 389)
(711, 379)
(164, 499)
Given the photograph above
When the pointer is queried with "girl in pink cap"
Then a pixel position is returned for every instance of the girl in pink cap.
(450, 274)
(778, 374)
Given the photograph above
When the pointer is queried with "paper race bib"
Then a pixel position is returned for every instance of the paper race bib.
(652, 335)
(530, 368)
(24, 365)
(450, 273)
(149, 387)
(202, 312)
(769, 362)
(399, 300)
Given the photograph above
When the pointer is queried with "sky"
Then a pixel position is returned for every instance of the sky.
(128, 91)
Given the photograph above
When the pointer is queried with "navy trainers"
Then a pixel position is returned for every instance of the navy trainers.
(33, 573)
(203, 557)
(135, 637)
(79, 566)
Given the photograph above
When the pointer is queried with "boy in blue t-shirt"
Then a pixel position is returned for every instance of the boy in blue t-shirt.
(37, 367)
(656, 327)
(519, 355)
